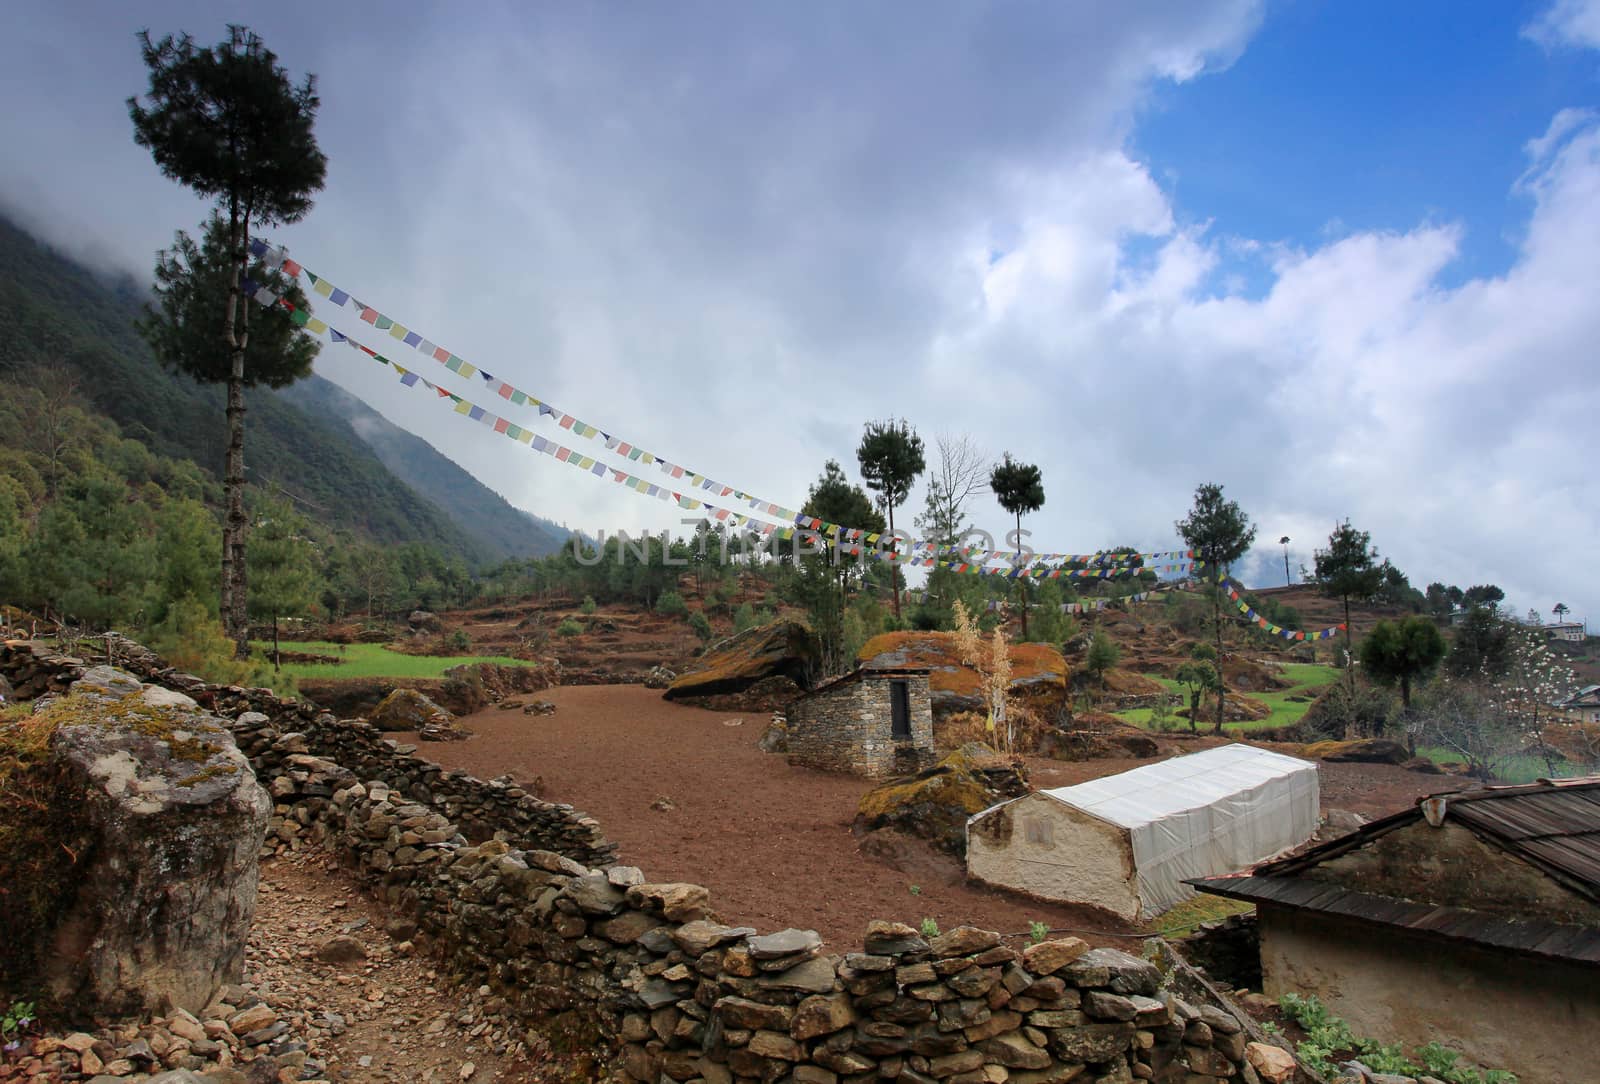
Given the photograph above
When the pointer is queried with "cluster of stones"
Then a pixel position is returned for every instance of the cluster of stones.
(238, 1039)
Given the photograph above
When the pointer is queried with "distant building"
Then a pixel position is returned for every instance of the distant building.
(1471, 919)
(1584, 704)
(870, 722)
(1574, 631)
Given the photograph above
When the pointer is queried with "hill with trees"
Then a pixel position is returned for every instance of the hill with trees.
(64, 324)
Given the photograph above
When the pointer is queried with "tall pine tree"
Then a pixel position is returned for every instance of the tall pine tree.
(226, 122)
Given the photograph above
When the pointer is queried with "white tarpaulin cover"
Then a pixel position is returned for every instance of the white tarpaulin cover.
(1202, 815)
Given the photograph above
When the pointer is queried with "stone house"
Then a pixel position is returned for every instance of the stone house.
(1472, 919)
(869, 722)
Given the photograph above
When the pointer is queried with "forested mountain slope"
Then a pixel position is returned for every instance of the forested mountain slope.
(61, 320)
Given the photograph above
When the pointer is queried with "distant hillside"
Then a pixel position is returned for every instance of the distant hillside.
(54, 312)
(506, 530)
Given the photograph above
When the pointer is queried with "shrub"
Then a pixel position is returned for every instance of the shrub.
(1038, 931)
(744, 618)
(671, 604)
(458, 641)
(192, 640)
(701, 625)
(588, 606)
(930, 928)
(569, 627)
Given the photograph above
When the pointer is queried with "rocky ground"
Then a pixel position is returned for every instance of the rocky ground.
(333, 992)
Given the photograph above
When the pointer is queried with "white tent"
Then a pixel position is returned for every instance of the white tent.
(1127, 842)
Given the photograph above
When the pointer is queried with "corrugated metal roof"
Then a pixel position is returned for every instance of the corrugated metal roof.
(1551, 940)
(1135, 798)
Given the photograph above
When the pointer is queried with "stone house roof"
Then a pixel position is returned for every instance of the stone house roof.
(861, 672)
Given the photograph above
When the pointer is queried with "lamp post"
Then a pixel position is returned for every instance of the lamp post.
(1284, 542)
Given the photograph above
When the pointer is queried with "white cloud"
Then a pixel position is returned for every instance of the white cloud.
(735, 236)
(1567, 22)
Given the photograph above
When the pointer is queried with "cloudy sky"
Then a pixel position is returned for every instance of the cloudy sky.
(1342, 259)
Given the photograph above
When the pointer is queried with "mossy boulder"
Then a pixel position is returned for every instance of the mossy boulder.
(782, 649)
(1361, 751)
(408, 709)
(1038, 671)
(162, 818)
(935, 804)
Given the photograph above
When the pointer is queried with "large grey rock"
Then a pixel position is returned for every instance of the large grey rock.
(163, 894)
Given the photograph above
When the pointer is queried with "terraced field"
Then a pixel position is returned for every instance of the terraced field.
(1288, 705)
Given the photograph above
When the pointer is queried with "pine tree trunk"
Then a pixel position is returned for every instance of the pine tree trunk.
(894, 566)
(235, 331)
(237, 529)
(1349, 656)
(1222, 681)
(1021, 587)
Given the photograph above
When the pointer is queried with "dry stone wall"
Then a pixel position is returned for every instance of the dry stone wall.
(523, 895)
(259, 719)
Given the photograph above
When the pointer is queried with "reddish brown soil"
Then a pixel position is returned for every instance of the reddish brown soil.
(773, 842)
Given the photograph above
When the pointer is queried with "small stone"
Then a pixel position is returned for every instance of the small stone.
(185, 1026)
(595, 895)
(815, 976)
(341, 949)
(700, 936)
(1220, 1021)
(1104, 1006)
(467, 1069)
(1048, 957)
(784, 943)
(678, 902)
(964, 941)
(819, 1015)
(251, 1019)
(886, 938)
(1272, 1063)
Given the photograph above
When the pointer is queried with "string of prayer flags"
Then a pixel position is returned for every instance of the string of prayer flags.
(1235, 591)
(277, 257)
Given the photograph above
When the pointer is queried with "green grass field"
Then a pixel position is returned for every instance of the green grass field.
(375, 660)
(1309, 680)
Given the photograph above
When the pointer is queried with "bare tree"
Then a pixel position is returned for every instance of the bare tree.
(52, 433)
(961, 474)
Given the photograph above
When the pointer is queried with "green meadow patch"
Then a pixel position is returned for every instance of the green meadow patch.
(376, 661)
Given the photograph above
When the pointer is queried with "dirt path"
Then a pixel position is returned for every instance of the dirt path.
(771, 841)
(390, 1017)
